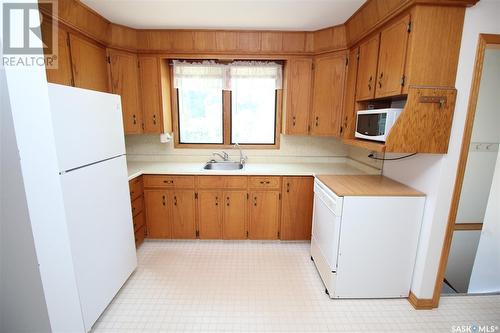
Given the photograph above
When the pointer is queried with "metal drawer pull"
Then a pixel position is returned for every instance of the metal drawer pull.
(265, 182)
(168, 181)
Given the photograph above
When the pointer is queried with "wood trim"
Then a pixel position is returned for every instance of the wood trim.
(373, 14)
(420, 303)
(468, 226)
(483, 42)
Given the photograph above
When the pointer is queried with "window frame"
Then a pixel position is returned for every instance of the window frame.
(226, 120)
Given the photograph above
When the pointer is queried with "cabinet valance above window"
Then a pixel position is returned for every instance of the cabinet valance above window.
(214, 75)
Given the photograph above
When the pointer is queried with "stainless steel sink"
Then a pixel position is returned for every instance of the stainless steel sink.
(223, 166)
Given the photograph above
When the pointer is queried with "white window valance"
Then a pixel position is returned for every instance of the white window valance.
(210, 74)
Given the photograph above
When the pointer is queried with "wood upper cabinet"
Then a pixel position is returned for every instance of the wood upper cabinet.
(367, 68)
(88, 63)
(125, 82)
(183, 214)
(62, 74)
(150, 92)
(234, 215)
(391, 58)
(296, 213)
(328, 94)
(349, 115)
(158, 213)
(298, 95)
(264, 212)
(210, 214)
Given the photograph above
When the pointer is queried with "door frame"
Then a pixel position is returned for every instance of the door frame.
(485, 41)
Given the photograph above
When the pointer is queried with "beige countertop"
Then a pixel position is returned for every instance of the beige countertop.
(136, 169)
(367, 185)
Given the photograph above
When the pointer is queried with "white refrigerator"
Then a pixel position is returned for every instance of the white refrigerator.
(90, 149)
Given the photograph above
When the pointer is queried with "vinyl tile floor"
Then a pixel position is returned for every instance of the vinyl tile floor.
(254, 286)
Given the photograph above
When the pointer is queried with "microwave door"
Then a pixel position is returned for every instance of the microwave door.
(372, 126)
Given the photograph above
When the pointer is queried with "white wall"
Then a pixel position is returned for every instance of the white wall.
(22, 301)
(146, 147)
(486, 270)
(435, 174)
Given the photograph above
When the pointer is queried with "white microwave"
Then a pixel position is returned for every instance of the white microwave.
(375, 124)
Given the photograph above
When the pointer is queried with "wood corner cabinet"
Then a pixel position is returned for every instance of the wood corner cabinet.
(124, 79)
(88, 64)
(328, 94)
(299, 75)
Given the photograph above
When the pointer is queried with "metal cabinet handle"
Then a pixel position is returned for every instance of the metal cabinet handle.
(293, 121)
(288, 187)
(380, 80)
(175, 200)
(370, 83)
(154, 119)
(216, 201)
(163, 200)
(134, 118)
(227, 204)
(317, 121)
(255, 201)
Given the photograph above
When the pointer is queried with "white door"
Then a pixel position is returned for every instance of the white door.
(88, 125)
(98, 213)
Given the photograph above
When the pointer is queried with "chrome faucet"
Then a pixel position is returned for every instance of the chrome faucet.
(223, 155)
(243, 158)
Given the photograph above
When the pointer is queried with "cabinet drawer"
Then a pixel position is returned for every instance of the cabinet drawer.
(135, 187)
(263, 182)
(169, 181)
(139, 236)
(139, 221)
(137, 206)
(223, 182)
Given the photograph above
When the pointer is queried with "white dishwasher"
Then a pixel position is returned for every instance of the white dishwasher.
(365, 246)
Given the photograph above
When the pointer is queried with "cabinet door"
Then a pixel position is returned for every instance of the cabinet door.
(329, 76)
(264, 214)
(124, 82)
(367, 69)
(235, 215)
(299, 87)
(391, 59)
(158, 213)
(89, 64)
(210, 214)
(150, 94)
(62, 74)
(296, 216)
(183, 214)
(349, 115)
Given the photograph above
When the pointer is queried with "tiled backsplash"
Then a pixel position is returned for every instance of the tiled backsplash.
(293, 149)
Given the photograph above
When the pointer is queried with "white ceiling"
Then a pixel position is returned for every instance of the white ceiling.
(226, 14)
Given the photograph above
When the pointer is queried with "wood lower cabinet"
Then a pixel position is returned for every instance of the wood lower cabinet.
(125, 82)
(234, 220)
(89, 65)
(138, 212)
(183, 214)
(264, 214)
(297, 206)
(210, 214)
(329, 79)
(158, 213)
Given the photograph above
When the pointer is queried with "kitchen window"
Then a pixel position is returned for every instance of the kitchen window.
(223, 104)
